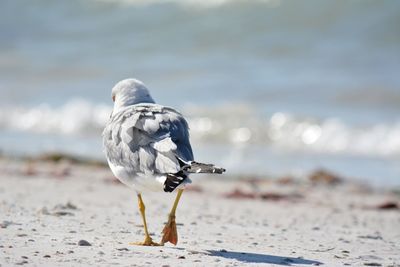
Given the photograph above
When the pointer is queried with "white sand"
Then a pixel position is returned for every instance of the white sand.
(333, 226)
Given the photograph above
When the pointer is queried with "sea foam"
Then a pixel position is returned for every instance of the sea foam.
(233, 125)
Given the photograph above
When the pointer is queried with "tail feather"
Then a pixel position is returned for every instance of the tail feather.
(197, 167)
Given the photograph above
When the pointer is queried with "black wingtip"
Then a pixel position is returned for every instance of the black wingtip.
(173, 181)
(219, 170)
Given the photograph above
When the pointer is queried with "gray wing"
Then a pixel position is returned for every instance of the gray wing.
(148, 139)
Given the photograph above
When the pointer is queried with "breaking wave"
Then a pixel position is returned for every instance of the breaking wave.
(237, 125)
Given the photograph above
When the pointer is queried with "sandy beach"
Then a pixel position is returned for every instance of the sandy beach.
(66, 214)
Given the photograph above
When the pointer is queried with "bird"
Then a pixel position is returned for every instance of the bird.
(147, 148)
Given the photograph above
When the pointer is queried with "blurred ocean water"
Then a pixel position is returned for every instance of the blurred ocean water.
(269, 87)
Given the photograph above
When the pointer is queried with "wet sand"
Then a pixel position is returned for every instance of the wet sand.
(68, 214)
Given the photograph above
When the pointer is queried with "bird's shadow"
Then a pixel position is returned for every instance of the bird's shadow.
(262, 258)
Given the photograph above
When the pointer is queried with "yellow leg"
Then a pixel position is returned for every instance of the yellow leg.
(147, 240)
(169, 231)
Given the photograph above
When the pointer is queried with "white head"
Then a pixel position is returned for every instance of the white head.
(130, 92)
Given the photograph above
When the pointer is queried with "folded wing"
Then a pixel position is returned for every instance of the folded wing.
(149, 139)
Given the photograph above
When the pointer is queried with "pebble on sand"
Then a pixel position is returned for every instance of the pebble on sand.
(84, 243)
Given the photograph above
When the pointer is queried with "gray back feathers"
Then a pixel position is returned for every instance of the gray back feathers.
(148, 139)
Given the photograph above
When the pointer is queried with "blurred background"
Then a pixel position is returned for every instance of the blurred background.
(269, 87)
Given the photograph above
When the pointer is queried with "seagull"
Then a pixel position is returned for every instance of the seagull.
(148, 149)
